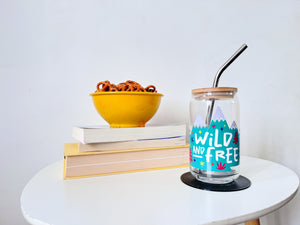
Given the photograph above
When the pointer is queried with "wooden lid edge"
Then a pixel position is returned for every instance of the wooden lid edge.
(214, 89)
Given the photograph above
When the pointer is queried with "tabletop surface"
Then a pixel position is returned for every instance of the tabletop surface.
(155, 197)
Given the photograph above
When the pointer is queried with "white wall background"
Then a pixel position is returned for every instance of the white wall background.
(53, 53)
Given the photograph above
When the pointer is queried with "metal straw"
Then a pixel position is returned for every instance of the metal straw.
(217, 77)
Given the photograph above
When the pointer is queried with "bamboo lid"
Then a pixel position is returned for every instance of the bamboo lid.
(214, 90)
(214, 93)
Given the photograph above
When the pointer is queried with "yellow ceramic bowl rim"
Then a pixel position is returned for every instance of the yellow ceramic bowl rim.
(125, 93)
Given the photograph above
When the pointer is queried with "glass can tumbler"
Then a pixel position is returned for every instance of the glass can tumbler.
(214, 135)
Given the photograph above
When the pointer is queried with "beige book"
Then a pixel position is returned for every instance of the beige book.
(77, 164)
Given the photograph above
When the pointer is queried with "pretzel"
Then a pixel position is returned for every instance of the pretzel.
(113, 87)
(150, 88)
(105, 86)
(129, 85)
(122, 86)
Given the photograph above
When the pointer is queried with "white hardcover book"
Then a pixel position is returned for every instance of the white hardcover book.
(97, 134)
(136, 144)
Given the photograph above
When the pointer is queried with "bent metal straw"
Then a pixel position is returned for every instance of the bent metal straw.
(217, 77)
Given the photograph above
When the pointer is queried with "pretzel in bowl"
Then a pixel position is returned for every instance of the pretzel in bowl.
(129, 85)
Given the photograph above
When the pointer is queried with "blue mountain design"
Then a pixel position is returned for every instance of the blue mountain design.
(233, 125)
(218, 114)
(199, 122)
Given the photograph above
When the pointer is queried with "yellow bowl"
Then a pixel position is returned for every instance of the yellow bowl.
(126, 109)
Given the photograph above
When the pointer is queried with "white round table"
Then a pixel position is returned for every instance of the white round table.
(155, 197)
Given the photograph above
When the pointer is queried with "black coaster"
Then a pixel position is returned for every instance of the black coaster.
(240, 183)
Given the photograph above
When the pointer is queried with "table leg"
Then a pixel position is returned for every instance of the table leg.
(253, 222)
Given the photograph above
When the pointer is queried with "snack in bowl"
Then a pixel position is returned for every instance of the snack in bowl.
(127, 104)
(125, 86)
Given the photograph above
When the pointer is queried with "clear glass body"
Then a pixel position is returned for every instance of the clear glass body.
(214, 136)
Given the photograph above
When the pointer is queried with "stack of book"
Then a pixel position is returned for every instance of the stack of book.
(104, 150)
